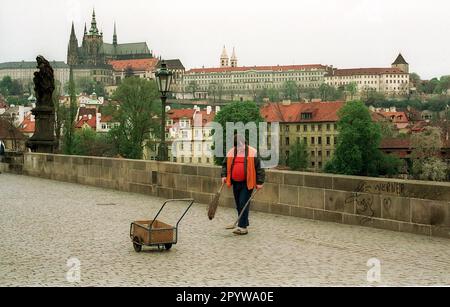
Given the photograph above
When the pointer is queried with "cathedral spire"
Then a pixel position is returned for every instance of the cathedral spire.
(72, 33)
(115, 35)
(93, 30)
(224, 60)
(72, 50)
(233, 60)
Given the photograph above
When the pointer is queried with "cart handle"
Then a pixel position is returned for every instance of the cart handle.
(190, 200)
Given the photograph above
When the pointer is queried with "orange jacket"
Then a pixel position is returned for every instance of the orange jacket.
(254, 173)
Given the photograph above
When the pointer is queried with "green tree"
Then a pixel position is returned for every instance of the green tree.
(273, 94)
(69, 116)
(357, 151)
(387, 129)
(426, 154)
(89, 143)
(390, 165)
(352, 89)
(298, 156)
(290, 90)
(416, 82)
(212, 90)
(10, 87)
(137, 116)
(430, 86)
(433, 169)
(234, 112)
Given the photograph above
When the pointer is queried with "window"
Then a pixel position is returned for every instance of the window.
(328, 127)
(298, 128)
(199, 160)
(328, 153)
(306, 115)
(312, 140)
(328, 140)
(313, 153)
(305, 128)
(305, 140)
(287, 141)
(319, 140)
(335, 140)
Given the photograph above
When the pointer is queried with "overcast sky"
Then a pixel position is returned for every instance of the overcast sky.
(343, 33)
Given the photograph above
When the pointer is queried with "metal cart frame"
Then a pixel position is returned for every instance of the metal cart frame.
(141, 235)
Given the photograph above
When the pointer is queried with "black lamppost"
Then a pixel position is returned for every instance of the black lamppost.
(163, 79)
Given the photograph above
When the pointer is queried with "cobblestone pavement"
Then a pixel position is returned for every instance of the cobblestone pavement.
(54, 221)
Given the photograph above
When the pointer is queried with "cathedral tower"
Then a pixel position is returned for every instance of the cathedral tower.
(224, 60)
(72, 49)
(234, 59)
(401, 64)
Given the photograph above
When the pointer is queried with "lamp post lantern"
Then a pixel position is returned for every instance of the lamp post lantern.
(164, 80)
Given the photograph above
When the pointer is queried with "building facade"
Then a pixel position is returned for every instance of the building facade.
(230, 81)
(391, 81)
(24, 72)
(189, 136)
(314, 124)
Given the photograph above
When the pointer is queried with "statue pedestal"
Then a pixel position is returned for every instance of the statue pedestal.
(43, 139)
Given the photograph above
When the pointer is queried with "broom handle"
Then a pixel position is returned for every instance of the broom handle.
(221, 187)
(245, 207)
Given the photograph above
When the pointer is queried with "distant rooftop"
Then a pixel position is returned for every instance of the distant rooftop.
(31, 65)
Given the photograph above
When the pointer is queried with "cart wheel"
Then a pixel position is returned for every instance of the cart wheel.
(168, 246)
(137, 246)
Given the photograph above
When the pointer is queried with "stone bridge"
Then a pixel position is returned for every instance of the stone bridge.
(46, 223)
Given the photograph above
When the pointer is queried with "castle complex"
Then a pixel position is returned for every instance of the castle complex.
(95, 52)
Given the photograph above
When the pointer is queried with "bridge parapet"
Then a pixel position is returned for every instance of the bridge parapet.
(419, 207)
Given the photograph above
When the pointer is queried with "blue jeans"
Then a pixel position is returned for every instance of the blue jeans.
(241, 195)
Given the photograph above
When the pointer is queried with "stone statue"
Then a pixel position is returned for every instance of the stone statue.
(43, 139)
(44, 81)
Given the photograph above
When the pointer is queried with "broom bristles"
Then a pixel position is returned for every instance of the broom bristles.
(212, 208)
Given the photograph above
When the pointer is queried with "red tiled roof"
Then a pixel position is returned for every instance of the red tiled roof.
(321, 112)
(135, 64)
(259, 68)
(27, 125)
(395, 117)
(206, 118)
(365, 71)
(377, 117)
(86, 111)
(91, 122)
(395, 143)
(177, 114)
(106, 118)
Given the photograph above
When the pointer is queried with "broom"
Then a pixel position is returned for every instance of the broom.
(214, 203)
(245, 207)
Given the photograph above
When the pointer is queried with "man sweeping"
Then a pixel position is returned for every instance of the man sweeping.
(242, 170)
